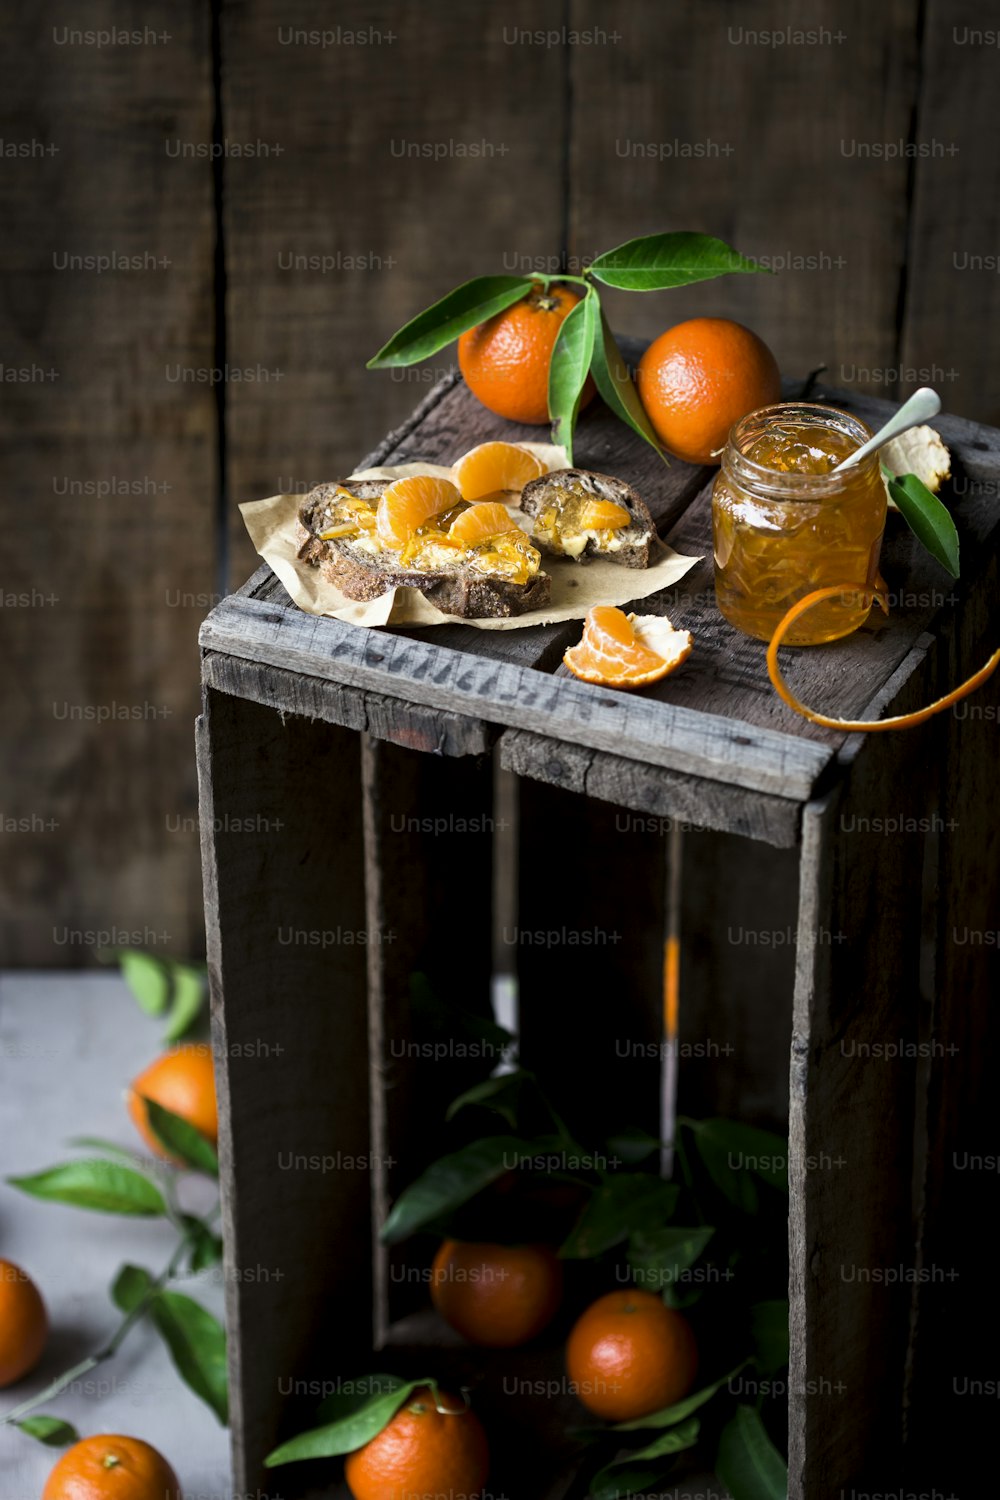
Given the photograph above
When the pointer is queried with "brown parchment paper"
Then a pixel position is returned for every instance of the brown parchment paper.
(575, 586)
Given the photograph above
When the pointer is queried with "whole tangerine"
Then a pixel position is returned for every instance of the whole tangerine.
(699, 378)
(111, 1467)
(24, 1323)
(496, 1295)
(183, 1081)
(505, 361)
(434, 1446)
(629, 1355)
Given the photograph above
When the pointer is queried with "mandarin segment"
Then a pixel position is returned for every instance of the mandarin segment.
(409, 503)
(603, 515)
(496, 468)
(485, 519)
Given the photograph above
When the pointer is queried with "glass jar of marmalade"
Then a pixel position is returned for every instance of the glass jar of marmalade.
(784, 524)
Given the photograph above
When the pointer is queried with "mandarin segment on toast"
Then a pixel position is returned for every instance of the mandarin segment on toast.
(579, 514)
(484, 574)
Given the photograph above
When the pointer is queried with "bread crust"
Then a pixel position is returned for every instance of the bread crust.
(467, 593)
(634, 553)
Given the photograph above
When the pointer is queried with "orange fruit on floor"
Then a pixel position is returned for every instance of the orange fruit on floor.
(626, 651)
(629, 1355)
(424, 1453)
(496, 1295)
(24, 1323)
(183, 1081)
(495, 468)
(112, 1468)
(487, 518)
(700, 377)
(505, 361)
(409, 503)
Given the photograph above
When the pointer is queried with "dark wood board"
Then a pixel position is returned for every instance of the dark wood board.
(288, 934)
(952, 291)
(694, 118)
(411, 163)
(109, 481)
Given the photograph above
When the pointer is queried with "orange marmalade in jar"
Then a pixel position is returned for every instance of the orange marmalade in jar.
(784, 524)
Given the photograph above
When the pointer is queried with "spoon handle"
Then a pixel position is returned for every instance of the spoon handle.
(920, 407)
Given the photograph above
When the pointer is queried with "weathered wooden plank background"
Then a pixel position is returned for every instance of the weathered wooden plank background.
(372, 156)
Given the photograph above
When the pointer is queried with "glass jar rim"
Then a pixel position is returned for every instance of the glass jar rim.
(790, 485)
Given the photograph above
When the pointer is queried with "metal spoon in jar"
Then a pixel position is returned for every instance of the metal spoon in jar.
(920, 407)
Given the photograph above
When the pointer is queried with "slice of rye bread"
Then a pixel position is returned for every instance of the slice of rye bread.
(636, 538)
(464, 591)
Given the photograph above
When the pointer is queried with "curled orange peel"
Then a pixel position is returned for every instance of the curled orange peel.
(865, 726)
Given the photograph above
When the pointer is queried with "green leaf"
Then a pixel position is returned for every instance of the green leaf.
(618, 1207)
(205, 1245)
(684, 1435)
(450, 1182)
(471, 303)
(197, 1344)
(189, 994)
(105, 1186)
(747, 1462)
(632, 1146)
(354, 1395)
(147, 977)
(656, 261)
(658, 1257)
(769, 1330)
(669, 1416)
(502, 1094)
(52, 1431)
(617, 388)
(634, 1475)
(569, 367)
(928, 519)
(626, 1480)
(98, 1143)
(350, 1432)
(181, 1138)
(129, 1287)
(735, 1155)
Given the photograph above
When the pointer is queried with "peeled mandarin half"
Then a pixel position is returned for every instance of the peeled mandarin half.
(409, 503)
(489, 518)
(626, 651)
(493, 468)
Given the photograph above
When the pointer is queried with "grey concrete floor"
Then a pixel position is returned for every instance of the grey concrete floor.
(69, 1045)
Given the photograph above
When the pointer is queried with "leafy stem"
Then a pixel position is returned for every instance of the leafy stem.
(111, 1345)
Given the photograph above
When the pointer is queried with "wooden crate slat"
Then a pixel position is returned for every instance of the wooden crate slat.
(434, 730)
(282, 856)
(708, 745)
(659, 795)
(428, 880)
(851, 1114)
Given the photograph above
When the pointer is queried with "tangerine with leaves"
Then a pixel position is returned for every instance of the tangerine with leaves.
(434, 1446)
(505, 361)
(24, 1324)
(699, 378)
(183, 1081)
(110, 1467)
(629, 1355)
(498, 1296)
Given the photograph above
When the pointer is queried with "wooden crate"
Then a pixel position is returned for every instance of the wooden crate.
(825, 879)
